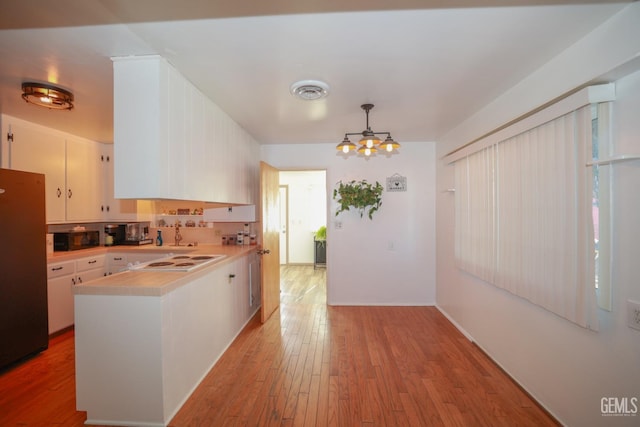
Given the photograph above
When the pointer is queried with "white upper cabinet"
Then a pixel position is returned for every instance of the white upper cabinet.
(72, 168)
(85, 178)
(172, 142)
(231, 214)
(32, 148)
(115, 209)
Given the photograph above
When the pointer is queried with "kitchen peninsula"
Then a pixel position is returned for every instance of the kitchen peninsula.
(145, 339)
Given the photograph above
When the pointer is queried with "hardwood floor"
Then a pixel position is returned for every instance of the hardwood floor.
(41, 391)
(312, 365)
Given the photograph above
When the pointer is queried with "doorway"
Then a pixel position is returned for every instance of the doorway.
(303, 210)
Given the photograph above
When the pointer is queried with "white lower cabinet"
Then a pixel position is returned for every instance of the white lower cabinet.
(116, 262)
(153, 351)
(60, 279)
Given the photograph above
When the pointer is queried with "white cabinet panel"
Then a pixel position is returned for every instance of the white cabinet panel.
(90, 263)
(60, 302)
(85, 276)
(60, 279)
(192, 149)
(84, 180)
(231, 214)
(116, 262)
(37, 149)
(115, 209)
(61, 269)
(74, 176)
(185, 330)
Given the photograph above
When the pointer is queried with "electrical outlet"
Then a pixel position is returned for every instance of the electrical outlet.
(633, 314)
(338, 225)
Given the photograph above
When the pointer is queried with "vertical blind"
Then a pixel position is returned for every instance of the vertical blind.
(523, 216)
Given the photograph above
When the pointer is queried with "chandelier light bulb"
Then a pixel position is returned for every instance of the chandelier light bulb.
(345, 149)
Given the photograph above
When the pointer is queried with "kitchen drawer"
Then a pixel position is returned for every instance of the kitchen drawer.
(89, 263)
(60, 269)
(117, 259)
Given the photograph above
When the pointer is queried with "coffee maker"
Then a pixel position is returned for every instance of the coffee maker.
(115, 234)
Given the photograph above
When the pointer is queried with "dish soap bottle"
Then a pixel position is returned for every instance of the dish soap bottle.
(159, 238)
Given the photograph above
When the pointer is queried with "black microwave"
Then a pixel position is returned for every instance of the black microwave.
(74, 240)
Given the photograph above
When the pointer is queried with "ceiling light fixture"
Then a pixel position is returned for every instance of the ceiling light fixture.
(46, 95)
(369, 143)
(309, 90)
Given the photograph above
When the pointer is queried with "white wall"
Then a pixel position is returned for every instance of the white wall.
(389, 260)
(567, 368)
(306, 212)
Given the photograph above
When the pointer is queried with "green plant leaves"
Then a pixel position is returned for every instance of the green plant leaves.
(362, 195)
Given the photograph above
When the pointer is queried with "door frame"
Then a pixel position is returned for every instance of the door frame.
(286, 221)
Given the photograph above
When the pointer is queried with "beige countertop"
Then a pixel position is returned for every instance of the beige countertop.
(101, 250)
(150, 283)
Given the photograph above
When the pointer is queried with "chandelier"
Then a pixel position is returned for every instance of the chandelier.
(46, 95)
(369, 143)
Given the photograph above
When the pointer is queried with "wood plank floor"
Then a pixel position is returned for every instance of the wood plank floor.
(312, 365)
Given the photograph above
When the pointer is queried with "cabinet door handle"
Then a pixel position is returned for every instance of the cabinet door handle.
(73, 281)
(118, 258)
(79, 280)
(69, 193)
(93, 261)
(263, 251)
(59, 192)
(56, 268)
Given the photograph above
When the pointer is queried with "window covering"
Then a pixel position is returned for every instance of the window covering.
(523, 216)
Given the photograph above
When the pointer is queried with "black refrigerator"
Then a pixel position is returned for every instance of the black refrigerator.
(23, 266)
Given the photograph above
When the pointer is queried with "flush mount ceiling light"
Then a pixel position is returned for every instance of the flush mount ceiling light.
(46, 95)
(309, 90)
(369, 143)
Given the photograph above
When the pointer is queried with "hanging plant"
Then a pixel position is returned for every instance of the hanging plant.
(361, 195)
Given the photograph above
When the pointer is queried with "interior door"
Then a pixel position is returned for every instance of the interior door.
(270, 238)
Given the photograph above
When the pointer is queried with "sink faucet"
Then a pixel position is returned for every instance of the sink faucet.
(178, 236)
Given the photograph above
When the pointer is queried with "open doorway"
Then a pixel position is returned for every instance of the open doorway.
(303, 211)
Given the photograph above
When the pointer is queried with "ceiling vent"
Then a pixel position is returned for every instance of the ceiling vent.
(310, 90)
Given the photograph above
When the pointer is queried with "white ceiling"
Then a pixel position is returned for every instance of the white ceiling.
(426, 68)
